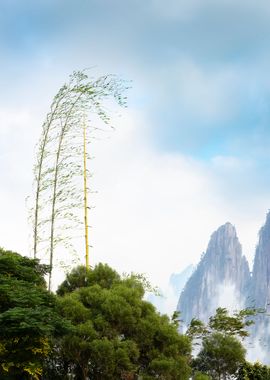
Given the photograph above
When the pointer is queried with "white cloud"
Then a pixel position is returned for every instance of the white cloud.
(228, 163)
(154, 211)
(228, 297)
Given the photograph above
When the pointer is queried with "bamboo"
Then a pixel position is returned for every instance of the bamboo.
(55, 184)
(40, 168)
(56, 168)
(85, 199)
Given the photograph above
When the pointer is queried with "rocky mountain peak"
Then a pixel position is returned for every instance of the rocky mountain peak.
(261, 268)
(264, 234)
(224, 241)
(226, 229)
(220, 279)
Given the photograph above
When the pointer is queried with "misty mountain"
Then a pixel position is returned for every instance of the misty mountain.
(222, 278)
(260, 284)
(259, 295)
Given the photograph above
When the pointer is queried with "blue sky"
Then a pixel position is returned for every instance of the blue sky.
(179, 54)
(200, 95)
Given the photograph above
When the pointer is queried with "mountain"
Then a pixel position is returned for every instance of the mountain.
(222, 278)
(259, 296)
(260, 293)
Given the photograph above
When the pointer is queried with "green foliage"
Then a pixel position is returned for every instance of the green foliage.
(58, 198)
(200, 376)
(221, 355)
(197, 329)
(233, 325)
(28, 318)
(13, 265)
(116, 334)
(81, 277)
(256, 371)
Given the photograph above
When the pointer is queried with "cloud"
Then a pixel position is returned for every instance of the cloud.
(229, 163)
(192, 150)
(203, 79)
(166, 205)
(154, 211)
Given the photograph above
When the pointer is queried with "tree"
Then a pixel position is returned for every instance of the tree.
(221, 356)
(200, 376)
(233, 325)
(28, 317)
(116, 334)
(253, 371)
(221, 352)
(58, 195)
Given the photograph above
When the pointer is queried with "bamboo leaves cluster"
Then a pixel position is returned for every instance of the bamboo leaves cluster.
(58, 193)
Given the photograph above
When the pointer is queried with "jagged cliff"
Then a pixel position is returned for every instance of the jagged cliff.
(259, 296)
(260, 285)
(221, 278)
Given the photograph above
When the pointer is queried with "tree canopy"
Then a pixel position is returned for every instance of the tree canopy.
(28, 317)
(221, 353)
(111, 320)
(256, 371)
(220, 356)
(97, 327)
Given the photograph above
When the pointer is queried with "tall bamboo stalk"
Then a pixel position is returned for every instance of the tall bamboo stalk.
(57, 198)
(64, 129)
(43, 143)
(85, 198)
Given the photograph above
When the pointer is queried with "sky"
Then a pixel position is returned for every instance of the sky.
(190, 152)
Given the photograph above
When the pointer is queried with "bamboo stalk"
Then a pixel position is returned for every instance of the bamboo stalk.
(85, 199)
(40, 168)
(55, 183)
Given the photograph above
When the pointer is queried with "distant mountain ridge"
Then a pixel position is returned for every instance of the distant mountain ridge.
(222, 266)
(223, 279)
(260, 283)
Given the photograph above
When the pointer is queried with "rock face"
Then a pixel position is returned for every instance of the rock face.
(259, 296)
(222, 278)
(260, 288)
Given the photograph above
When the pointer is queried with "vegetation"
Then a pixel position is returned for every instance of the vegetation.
(111, 320)
(220, 356)
(97, 327)
(200, 376)
(222, 353)
(254, 371)
(58, 195)
(223, 322)
(28, 317)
